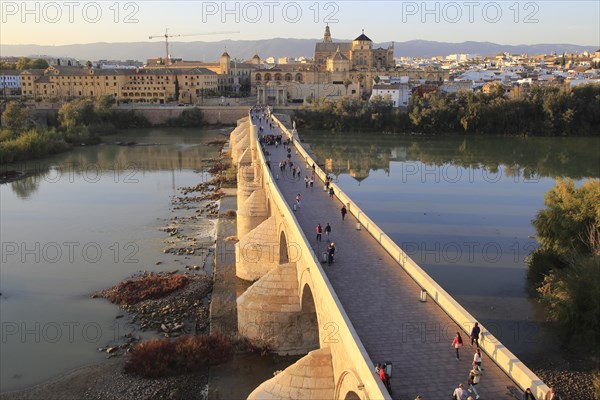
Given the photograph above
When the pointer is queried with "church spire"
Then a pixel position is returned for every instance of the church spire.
(327, 35)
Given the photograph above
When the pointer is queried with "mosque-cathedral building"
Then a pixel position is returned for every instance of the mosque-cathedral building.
(338, 69)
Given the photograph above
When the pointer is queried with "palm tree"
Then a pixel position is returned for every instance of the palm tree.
(347, 83)
(360, 78)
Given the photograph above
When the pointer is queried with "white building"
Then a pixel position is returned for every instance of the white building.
(397, 93)
(461, 57)
(286, 60)
(10, 82)
(577, 82)
(456, 86)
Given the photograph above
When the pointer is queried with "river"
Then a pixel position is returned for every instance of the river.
(83, 221)
(461, 207)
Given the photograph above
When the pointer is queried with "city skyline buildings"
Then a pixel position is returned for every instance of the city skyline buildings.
(502, 22)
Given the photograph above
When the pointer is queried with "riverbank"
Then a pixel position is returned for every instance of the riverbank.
(189, 244)
(106, 381)
(571, 374)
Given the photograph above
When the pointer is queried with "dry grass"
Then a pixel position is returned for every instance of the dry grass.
(230, 213)
(162, 357)
(133, 291)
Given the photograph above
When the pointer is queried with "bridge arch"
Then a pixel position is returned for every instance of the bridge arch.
(352, 396)
(348, 386)
(309, 319)
(283, 249)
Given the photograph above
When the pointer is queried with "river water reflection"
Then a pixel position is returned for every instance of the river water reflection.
(461, 207)
(83, 221)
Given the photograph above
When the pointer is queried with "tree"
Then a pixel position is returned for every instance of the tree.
(39, 63)
(571, 297)
(360, 78)
(176, 89)
(69, 63)
(104, 103)
(58, 62)
(16, 118)
(5, 66)
(27, 63)
(77, 112)
(23, 63)
(569, 213)
(568, 259)
(347, 83)
(88, 64)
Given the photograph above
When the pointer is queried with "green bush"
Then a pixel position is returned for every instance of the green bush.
(540, 263)
(565, 269)
(122, 119)
(189, 118)
(5, 134)
(571, 297)
(31, 144)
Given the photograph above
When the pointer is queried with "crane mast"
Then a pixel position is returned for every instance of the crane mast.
(167, 36)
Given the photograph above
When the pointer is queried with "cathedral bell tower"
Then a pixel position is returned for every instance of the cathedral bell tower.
(327, 35)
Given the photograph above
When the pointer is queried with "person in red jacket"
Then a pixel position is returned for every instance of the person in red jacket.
(319, 232)
(457, 343)
(385, 378)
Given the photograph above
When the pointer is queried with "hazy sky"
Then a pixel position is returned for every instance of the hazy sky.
(504, 22)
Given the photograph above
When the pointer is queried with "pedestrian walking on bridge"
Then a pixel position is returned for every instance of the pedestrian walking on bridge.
(330, 253)
(457, 343)
(473, 380)
(475, 334)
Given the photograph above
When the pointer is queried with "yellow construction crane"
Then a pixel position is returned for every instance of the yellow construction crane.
(167, 36)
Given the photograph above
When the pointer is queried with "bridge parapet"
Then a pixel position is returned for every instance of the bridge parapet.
(504, 358)
(315, 308)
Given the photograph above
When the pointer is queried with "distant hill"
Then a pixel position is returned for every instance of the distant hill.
(278, 47)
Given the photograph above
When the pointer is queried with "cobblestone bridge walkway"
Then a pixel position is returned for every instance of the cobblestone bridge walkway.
(382, 301)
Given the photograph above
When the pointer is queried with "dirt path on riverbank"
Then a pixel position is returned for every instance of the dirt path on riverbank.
(106, 381)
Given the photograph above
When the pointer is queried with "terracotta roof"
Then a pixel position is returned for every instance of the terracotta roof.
(330, 47)
(66, 70)
(114, 71)
(339, 56)
(34, 71)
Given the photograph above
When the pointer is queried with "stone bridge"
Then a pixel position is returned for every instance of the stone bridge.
(296, 306)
